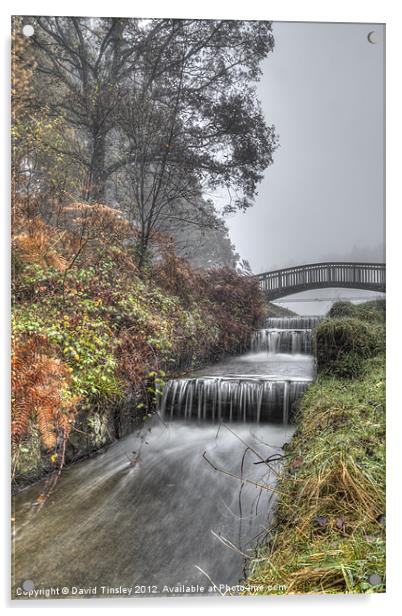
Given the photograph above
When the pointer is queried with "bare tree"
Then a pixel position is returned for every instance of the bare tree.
(84, 63)
(192, 120)
(168, 107)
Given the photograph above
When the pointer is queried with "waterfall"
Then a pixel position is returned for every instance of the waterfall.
(255, 387)
(296, 322)
(231, 398)
(282, 340)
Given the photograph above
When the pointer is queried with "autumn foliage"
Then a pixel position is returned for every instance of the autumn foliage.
(39, 382)
(90, 327)
(234, 301)
(101, 312)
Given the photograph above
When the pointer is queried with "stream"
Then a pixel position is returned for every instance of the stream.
(175, 507)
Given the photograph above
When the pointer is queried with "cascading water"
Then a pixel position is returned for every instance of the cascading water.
(149, 514)
(282, 340)
(251, 388)
(286, 335)
(296, 322)
(255, 387)
(232, 398)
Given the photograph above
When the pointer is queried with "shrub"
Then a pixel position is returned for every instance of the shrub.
(237, 305)
(343, 343)
(43, 408)
(372, 311)
(342, 309)
(369, 311)
(89, 328)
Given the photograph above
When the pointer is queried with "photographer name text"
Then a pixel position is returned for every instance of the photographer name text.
(128, 591)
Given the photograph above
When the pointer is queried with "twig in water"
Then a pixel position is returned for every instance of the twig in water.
(241, 490)
(212, 582)
(275, 457)
(254, 483)
(53, 479)
(157, 414)
(134, 460)
(236, 515)
(257, 503)
(260, 440)
(255, 452)
(230, 545)
(227, 543)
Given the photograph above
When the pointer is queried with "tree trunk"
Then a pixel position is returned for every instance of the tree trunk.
(96, 188)
(141, 252)
(142, 249)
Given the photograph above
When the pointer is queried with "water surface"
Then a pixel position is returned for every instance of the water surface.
(151, 510)
(109, 523)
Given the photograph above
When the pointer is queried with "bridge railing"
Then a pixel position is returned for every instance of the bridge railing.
(313, 275)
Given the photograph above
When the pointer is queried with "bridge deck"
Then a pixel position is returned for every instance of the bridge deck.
(279, 283)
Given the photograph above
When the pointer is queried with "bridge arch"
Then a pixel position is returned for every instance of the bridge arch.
(279, 283)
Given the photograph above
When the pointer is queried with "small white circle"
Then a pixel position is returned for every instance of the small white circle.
(28, 30)
(373, 37)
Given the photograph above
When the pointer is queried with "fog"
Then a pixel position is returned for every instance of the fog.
(323, 198)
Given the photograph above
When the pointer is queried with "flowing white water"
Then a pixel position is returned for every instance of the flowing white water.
(155, 508)
(282, 340)
(296, 322)
(232, 398)
(250, 388)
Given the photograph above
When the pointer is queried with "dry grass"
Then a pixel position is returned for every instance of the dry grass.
(330, 535)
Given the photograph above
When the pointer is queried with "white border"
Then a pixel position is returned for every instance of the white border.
(381, 11)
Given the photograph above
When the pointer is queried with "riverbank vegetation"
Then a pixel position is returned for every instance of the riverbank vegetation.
(123, 272)
(351, 335)
(329, 534)
(84, 337)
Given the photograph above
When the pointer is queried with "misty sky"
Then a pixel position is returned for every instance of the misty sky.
(322, 199)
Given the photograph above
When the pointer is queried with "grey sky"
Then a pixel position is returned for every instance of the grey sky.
(322, 198)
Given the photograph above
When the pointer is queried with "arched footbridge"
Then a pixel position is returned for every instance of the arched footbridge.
(279, 283)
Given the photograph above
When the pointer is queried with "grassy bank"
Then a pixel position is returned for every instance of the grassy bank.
(329, 534)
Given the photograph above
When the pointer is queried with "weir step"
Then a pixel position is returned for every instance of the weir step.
(282, 340)
(296, 322)
(232, 398)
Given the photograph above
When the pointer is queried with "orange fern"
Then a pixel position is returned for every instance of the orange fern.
(38, 245)
(38, 380)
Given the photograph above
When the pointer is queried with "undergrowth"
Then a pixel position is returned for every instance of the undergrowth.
(350, 335)
(90, 328)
